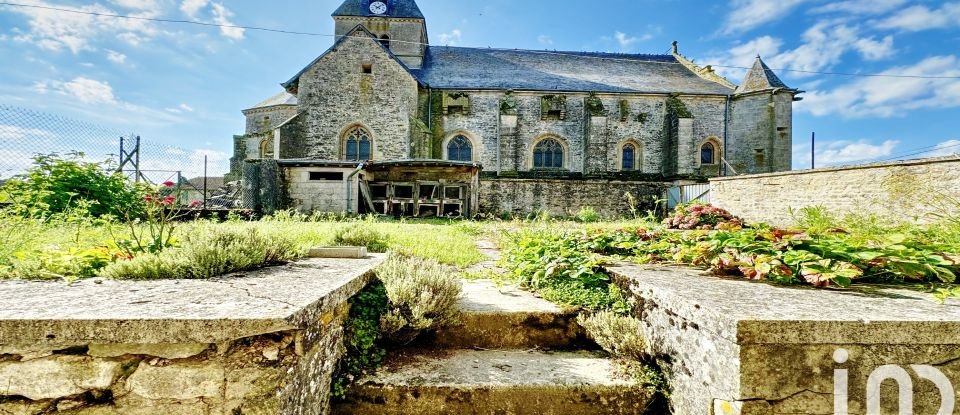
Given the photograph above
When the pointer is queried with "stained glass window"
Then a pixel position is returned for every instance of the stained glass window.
(357, 145)
(460, 149)
(548, 154)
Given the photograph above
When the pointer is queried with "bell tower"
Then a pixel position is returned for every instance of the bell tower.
(399, 24)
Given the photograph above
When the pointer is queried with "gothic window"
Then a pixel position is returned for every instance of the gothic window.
(548, 154)
(385, 41)
(708, 154)
(629, 161)
(460, 149)
(357, 144)
(266, 149)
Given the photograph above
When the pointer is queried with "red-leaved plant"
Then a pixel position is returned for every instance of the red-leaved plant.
(703, 217)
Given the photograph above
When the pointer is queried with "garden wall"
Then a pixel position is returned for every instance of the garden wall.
(262, 343)
(913, 190)
(732, 346)
(562, 197)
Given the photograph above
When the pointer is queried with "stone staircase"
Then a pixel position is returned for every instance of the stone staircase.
(513, 354)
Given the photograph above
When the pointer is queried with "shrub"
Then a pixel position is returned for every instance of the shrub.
(703, 217)
(362, 234)
(619, 335)
(211, 253)
(56, 184)
(423, 296)
(588, 215)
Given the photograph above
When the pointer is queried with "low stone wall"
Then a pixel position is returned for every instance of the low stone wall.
(263, 343)
(913, 191)
(561, 197)
(731, 346)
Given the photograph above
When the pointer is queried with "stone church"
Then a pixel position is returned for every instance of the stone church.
(385, 122)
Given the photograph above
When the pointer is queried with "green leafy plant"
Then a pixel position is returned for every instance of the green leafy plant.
(160, 215)
(362, 338)
(55, 184)
(423, 295)
(701, 216)
(588, 215)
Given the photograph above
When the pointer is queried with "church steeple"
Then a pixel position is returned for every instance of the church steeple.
(399, 24)
(760, 78)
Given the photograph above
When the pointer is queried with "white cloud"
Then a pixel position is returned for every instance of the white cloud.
(116, 57)
(946, 148)
(823, 46)
(146, 5)
(451, 39)
(743, 56)
(186, 108)
(749, 14)
(545, 40)
(839, 152)
(192, 7)
(56, 30)
(860, 7)
(626, 41)
(921, 17)
(83, 90)
(891, 97)
(182, 108)
(13, 132)
(221, 16)
(874, 50)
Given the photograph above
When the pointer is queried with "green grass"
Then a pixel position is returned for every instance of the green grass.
(70, 248)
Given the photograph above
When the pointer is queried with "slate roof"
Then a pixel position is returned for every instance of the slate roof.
(395, 8)
(502, 69)
(283, 98)
(760, 78)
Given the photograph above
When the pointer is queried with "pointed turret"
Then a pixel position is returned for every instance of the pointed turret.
(760, 78)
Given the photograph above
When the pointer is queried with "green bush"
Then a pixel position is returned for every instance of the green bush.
(423, 296)
(619, 335)
(588, 215)
(362, 234)
(56, 184)
(211, 253)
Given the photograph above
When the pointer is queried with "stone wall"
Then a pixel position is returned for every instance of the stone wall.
(760, 136)
(736, 347)
(336, 95)
(323, 194)
(561, 197)
(264, 343)
(912, 191)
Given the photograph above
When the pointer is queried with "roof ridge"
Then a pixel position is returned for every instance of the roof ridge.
(558, 52)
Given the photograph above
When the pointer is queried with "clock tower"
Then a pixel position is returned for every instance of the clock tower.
(399, 24)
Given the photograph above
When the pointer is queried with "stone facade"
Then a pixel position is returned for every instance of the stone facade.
(905, 191)
(415, 99)
(564, 198)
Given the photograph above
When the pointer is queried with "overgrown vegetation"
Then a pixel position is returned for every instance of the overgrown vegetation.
(362, 338)
(56, 184)
(616, 333)
(423, 296)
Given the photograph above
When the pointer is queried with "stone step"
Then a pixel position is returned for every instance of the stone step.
(462, 382)
(508, 318)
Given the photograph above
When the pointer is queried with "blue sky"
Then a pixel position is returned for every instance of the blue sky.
(185, 85)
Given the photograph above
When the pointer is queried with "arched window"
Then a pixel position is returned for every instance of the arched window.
(385, 41)
(266, 148)
(548, 154)
(629, 159)
(357, 144)
(460, 149)
(708, 154)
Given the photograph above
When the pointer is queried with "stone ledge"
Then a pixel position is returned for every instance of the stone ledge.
(747, 312)
(51, 314)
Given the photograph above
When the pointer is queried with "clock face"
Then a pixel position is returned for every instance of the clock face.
(378, 7)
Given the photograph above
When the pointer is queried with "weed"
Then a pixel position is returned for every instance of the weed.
(362, 338)
(362, 234)
(588, 215)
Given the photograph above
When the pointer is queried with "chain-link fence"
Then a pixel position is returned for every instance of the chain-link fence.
(26, 133)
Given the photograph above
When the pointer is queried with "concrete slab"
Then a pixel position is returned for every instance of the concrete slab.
(739, 347)
(348, 252)
(507, 318)
(178, 311)
(497, 382)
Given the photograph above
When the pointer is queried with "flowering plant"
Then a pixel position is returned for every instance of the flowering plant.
(154, 232)
(702, 217)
